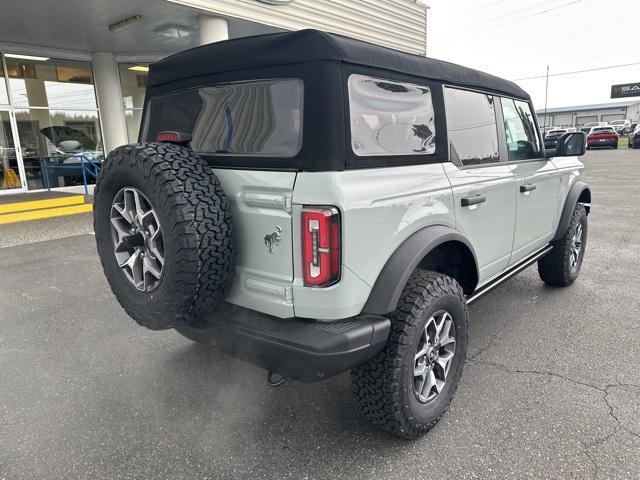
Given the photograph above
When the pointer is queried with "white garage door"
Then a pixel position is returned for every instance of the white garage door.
(582, 120)
(563, 119)
(613, 116)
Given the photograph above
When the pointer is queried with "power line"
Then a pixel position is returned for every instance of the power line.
(542, 12)
(480, 9)
(514, 12)
(608, 67)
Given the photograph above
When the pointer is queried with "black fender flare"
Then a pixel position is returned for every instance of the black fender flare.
(388, 287)
(573, 197)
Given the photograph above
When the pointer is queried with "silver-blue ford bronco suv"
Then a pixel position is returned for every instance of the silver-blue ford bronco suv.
(315, 204)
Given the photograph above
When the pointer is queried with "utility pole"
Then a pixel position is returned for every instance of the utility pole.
(546, 97)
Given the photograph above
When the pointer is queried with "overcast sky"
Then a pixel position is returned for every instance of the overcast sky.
(516, 39)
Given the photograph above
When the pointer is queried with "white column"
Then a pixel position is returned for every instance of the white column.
(107, 83)
(212, 29)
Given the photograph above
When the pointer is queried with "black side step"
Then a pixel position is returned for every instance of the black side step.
(510, 272)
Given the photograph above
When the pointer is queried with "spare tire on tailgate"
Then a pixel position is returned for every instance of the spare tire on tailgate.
(164, 233)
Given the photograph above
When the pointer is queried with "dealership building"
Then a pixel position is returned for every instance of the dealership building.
(73, 73)
(578, 116)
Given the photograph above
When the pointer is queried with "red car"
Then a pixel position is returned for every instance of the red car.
(602, 137)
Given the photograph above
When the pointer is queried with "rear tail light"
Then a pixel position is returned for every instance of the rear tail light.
(320, 246)
(173, 137)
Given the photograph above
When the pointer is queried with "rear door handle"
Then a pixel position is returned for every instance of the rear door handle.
(527, 188)
(475, 200)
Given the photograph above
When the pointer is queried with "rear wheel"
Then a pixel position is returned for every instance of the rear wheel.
(562, 265)
(410, 384)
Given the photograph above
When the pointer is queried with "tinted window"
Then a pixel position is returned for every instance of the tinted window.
(471, 123)
(390, 118)
(522, 138)
(262, 118)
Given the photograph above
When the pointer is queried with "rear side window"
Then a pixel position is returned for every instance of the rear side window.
(390, 118)
(471, 126)
(522, 137)
(261, 118)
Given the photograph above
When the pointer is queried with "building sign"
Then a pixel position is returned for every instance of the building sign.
(625, 90)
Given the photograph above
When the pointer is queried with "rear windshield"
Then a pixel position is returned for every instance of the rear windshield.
(261, 118)
(603, 129)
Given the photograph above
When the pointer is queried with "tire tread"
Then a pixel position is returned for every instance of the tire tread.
(377, 385)
(200, 224)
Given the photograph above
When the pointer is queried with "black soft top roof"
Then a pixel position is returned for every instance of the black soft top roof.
(313, 45)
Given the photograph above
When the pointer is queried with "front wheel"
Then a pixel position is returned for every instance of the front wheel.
(410, 384)
(562, 265)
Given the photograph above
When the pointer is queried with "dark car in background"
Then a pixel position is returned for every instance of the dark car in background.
(602, 137)
(634, 137)
(552, 136)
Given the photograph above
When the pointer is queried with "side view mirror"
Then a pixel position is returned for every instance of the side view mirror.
(571, 144)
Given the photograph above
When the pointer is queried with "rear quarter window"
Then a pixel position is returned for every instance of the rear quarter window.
(390, 117)
(255, 118)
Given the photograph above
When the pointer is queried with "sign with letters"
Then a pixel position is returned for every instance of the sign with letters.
(625, 90)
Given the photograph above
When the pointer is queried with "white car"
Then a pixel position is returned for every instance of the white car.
(622, 127)
(586, 128)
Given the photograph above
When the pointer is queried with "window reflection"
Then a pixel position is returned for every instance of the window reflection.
(133, 118)
(51, 83)
(471, 124)
(390, 118)
(9, 168)
(522, 137)
(4, 97)
(133, 82)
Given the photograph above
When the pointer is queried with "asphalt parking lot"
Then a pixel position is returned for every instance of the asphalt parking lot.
(551, 387)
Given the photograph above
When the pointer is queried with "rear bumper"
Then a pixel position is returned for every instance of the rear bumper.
(306, 350)
(605, 143)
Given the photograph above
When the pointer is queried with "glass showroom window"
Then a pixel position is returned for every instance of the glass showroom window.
(133, 81)
(57, 118)
(4, 96)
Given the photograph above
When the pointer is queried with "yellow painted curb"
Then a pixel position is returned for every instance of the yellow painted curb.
(45, 213)
(39, 204)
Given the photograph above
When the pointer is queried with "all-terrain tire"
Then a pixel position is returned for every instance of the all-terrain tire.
(197, 230)
(557, 268)
(384, 386)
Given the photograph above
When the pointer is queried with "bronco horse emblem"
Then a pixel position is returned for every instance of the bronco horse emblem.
(272, 239)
